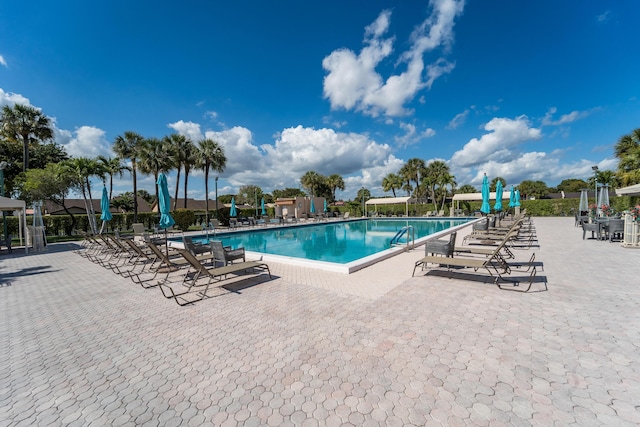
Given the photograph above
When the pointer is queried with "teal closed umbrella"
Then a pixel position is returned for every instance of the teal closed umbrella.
(104, 207)
(485, 208)
(164, 204)
(264, 211)
(325, 205)
(498, 205)
(512, 198)
(313, 207)
(233, 212)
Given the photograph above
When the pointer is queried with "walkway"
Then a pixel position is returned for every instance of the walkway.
(82, 346)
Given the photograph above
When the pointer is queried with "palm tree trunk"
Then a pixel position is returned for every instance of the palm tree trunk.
(206, 194)
(25, 152)
(135, 191)
(91, 212)
(175, 199)
(186, 180)
(155, 176)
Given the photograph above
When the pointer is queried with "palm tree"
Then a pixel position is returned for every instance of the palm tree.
(627, 150)
(449, 180)
(127, 147)
(25, 125)
(436, 171)
(494, 183)
(82, 169)
(183, 157)
(112, 166)
(392, 182)
(335, 181)
(156, 155)
(210, 155)
(413, 170)
(310, 180)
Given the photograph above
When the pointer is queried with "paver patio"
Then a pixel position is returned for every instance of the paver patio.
(83, 346)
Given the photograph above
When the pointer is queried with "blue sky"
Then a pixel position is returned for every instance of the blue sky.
(524, 90)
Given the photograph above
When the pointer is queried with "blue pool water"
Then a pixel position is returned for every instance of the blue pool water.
(337, 242)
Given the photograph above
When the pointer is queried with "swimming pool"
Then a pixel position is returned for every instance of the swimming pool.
(343, 246)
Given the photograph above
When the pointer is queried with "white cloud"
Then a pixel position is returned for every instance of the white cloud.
(359, 159)
(9, 98)
(242, 154)
(326, 151)
(3, 61)
(604, 17)
(458, 120)
(503, 134)
(189, 129)
(85, 141)
(412, 136)
(353, 83)
(564, 119)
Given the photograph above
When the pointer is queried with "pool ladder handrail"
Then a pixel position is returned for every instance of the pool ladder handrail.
(411, 236)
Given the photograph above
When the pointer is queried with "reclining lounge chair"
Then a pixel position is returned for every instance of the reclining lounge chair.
(206, 276)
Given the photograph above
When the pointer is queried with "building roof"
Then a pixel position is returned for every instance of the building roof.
(77, 206)
(192, 204)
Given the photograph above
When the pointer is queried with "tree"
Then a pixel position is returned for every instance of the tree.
(335, 182)
(81, 169)
(494, 183)
(146, 196)
(311, 180)
(210, 156)
(392, 182)
(572, 185)
(287, 193)
(249, 194)
(25, 125)
(627, 150)
(39, 156)
(413, 170)
(183, 157)
(124, 202)
(467, 188)
(112, 166)
(361, 198)
(437, 172)
(127, 147)
(535, 189)
(446, 180)
(156, 156)
(51, 183)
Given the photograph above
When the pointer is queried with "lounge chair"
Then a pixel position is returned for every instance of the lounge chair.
(164, 266)
(495, 265)
(195, 248)
(200, 274)
(224, 254)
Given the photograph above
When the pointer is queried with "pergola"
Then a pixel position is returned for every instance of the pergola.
(468, 197)
(7, 204)
(391, 201)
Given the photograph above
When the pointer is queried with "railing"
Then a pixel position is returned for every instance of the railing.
(411, 237)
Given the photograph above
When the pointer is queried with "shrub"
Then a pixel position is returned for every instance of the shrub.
(184, 218)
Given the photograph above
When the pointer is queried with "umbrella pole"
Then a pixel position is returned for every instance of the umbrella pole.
(166, 245)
